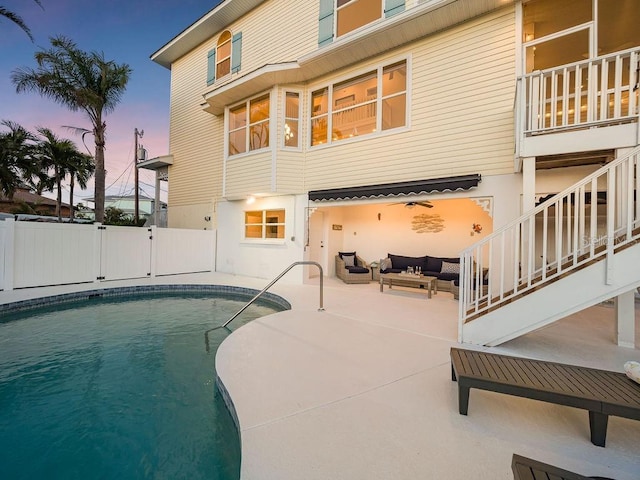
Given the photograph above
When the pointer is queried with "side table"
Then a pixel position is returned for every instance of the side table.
(375, 271)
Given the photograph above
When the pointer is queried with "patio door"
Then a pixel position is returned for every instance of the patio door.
(317, 244)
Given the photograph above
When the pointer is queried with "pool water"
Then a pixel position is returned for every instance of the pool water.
(117, 389)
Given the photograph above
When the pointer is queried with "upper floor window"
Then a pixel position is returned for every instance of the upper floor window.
(225, 58)
(264, 224)
(291, 120)
(223, 55)
(557, 33)
(353, 14)
(364, 105)
(249, 126)
(344, 16)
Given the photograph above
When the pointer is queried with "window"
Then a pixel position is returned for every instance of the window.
(264, 224)
(367, 104)
(339, 17)
(353, 14)
(557, 33)
(225, 58)
(249, 126)
(291, 120)
(223, 55)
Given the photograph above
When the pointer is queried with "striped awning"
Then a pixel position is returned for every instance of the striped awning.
(415, 187)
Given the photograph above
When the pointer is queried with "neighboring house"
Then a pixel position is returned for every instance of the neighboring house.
(330, 115)
(25, 201)
(128, 206)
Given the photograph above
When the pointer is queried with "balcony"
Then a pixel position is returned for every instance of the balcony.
(587, 105)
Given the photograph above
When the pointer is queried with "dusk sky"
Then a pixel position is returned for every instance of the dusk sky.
(127, 31)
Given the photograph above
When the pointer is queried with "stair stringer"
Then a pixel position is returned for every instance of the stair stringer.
(581, 289)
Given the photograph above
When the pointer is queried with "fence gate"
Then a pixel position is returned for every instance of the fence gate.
(125, 253)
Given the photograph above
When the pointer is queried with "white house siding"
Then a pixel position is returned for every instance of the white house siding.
(196, 141)
(261, 258)
(275, 32)
(197, 137)
(249, 174)
(463, 87)
(289, 167)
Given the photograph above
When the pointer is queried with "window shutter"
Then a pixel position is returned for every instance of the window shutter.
(236, 52)
(211, 66)
(393, 7)
(325, 26)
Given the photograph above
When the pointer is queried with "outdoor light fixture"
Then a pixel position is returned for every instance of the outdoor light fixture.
(251, 199)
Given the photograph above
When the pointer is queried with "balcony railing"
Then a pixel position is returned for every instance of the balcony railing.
(599, 91)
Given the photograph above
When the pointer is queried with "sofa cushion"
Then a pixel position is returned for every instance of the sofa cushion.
(392, 270)
(447, 276)
(358, 270)
(401, 262)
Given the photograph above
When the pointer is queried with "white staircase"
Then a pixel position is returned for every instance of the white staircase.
(577, 249)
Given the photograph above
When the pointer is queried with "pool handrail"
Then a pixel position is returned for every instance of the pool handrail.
(282, 274)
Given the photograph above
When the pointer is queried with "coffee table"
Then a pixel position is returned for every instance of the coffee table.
(417, 280)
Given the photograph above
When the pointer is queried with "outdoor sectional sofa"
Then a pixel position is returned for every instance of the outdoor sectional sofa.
(443, 268)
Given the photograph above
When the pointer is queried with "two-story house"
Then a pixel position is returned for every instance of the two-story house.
(303, 128)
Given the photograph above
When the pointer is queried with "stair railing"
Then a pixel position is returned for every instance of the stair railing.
(561, 234)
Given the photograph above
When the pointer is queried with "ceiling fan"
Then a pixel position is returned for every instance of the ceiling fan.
(425, 203)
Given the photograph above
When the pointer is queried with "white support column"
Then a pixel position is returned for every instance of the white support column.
(528, 183)
(625, 319)
(528, 203)
(156, 204)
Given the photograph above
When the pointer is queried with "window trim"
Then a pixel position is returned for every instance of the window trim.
(227, 130)
(264, 224)
(284, 118)
(379, 69)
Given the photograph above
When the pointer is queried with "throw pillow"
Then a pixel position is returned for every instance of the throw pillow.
(450, 268)
(632, 369)
(349, 260)
(385, 264)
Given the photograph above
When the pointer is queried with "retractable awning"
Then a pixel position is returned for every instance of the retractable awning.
(415, 187)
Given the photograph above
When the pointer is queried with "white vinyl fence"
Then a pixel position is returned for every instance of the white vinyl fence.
(43, 254)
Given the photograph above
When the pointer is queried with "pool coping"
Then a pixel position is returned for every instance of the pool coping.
(115, 292)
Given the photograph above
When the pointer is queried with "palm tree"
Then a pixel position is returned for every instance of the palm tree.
(17, 161)
(61, 156)
(81, 171)
(17, 19)
(79, 81)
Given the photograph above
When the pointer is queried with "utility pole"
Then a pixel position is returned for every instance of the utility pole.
(137, 134)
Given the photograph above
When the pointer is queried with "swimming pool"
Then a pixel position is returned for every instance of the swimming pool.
(118, 387)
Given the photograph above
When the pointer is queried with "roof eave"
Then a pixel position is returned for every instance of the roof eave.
(217, 19)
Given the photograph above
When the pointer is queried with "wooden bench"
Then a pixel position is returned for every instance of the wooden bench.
(527, 469)
(601, 392)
